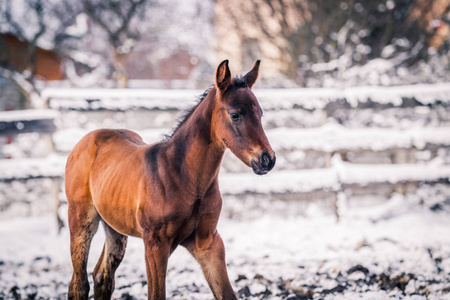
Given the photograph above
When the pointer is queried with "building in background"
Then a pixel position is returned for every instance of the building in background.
(19, 54)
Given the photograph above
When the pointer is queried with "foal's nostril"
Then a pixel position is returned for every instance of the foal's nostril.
(265, 160)
(264, 164)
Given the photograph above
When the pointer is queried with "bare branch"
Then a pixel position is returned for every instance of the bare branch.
(27, 89)
(91, 11)
(9, 19)
(261, 20)
(39, 9)
(95, 11)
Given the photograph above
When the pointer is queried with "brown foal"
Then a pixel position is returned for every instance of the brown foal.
(166, 193)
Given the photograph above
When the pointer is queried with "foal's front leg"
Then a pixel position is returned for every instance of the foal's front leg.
(157, 254)
(210, 254)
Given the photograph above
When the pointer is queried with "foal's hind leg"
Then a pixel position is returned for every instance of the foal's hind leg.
(83, 223)
(112, 255)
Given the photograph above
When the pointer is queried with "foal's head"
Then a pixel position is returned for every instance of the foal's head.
(236, 121)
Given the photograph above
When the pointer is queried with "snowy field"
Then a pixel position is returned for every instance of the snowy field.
(379, 158)
(281, 250)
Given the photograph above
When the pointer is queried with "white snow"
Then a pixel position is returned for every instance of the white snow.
(424, 93)
(299, 181)
(308, 98)
(333, 137)
(330, 179)
(363, 175)
(296, 248)
(25, 168)
(80, 27)
(119, 98)
(28, 115)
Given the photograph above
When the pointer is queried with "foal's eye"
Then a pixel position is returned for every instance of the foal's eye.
(235, 117)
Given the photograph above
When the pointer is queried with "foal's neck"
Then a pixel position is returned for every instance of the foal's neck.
(201, 156)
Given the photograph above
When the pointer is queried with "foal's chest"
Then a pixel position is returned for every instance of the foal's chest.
(172, 220)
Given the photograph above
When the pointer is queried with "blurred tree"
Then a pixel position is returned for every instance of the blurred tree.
(101, 39)
(116, 19)
(37, 10)
(335, 35)
(19, 64)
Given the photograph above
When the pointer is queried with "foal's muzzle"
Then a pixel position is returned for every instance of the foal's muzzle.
(264, 164)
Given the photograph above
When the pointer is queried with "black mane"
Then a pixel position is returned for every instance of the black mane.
(187, 113)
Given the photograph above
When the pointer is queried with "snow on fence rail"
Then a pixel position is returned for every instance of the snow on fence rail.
(319, 98)
(334, 138)
(340, 176)
(30, 120)
(327, 138)
(32, 168)
(118, 99)
(271, 99)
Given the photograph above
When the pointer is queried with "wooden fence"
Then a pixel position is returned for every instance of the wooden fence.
(327, 141)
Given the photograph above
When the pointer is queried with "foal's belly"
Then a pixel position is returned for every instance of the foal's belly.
(120, 218)
(115, 190)
(168, 223)
(118, 212)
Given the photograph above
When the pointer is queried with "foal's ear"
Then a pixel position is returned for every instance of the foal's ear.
(251, 76)
(223, 76)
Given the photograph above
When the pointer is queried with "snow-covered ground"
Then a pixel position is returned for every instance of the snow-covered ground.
(284, 250)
